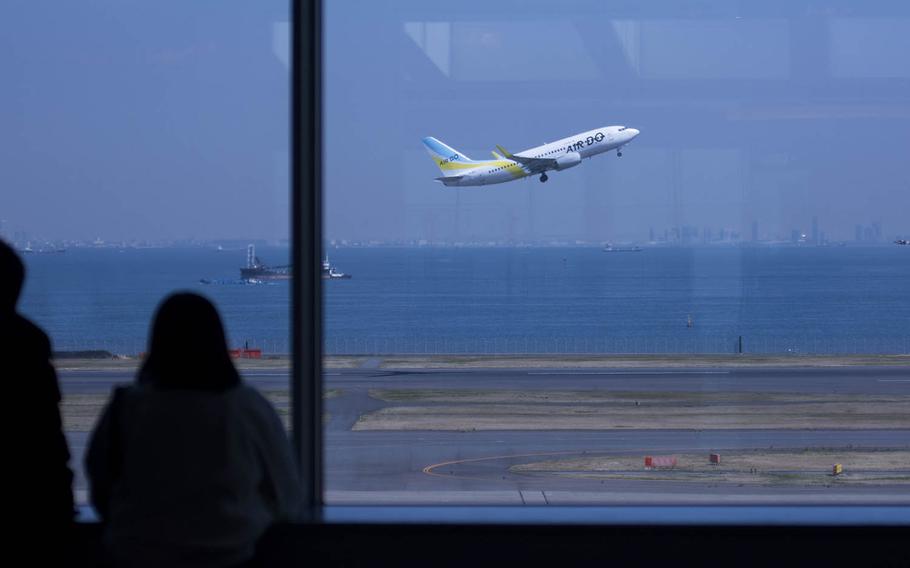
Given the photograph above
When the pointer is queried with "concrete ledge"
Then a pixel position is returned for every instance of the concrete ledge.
(403, 536)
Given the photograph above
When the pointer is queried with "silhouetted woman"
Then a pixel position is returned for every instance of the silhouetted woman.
(189, 466)
(38, 480)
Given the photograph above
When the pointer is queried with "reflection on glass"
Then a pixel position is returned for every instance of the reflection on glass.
(718, 315)
(143, 150)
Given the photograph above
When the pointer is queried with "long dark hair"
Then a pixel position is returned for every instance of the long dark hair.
(187, 349)
(12, 274)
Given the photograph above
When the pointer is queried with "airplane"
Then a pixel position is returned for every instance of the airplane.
(460, 171)
(902, 242)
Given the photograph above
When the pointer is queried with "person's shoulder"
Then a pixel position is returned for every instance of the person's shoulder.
(22, 335)
(254, 405)
(250, 396)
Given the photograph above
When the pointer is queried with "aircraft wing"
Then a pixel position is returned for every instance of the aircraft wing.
(533, 165)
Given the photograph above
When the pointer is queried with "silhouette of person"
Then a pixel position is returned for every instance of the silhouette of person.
(40, 482)
(189, 466)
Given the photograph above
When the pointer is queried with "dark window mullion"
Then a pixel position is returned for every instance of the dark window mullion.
(306, 221)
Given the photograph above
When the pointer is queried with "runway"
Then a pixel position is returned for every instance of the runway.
(474, 467)
(846, 380)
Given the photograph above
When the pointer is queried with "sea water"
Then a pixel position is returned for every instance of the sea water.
(713, 299)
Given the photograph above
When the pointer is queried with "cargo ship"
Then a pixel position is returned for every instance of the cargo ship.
(255, 269)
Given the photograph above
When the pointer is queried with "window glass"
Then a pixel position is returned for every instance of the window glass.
(720, 315)
(143, 149)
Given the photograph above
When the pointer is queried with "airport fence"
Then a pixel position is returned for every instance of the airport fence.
(781, 345)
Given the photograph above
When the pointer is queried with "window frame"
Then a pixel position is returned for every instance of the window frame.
(306, 241)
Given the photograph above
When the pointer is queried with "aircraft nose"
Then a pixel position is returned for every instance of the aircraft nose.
(633, 132)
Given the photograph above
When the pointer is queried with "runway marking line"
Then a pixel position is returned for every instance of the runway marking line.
(287, 374)
(429, 469)
(621, 373)
(262, 374)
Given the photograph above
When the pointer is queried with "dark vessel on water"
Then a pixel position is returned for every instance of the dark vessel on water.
(256, 270)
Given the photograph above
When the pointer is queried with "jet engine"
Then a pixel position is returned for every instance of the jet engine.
(568, 160)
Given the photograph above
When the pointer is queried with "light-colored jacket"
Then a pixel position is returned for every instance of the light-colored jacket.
(190, 478)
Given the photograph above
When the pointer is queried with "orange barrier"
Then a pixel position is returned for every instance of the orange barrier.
(245, 353)
(714, 458)
(659, 461)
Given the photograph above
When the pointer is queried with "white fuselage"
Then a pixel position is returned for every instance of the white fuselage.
(563, 154)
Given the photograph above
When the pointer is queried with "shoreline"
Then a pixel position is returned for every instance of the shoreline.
(528, 361)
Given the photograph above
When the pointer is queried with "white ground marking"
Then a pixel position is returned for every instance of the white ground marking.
(633, 373)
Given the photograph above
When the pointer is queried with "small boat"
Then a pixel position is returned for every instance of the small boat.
(329, 272)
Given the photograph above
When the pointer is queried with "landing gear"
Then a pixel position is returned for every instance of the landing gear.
(543, 178)
(619, 153)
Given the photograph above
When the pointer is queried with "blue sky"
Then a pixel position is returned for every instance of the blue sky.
(124, 120)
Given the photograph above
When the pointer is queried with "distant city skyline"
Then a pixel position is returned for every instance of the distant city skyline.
(685, 234)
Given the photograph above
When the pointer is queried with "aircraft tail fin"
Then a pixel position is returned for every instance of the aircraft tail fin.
(447, 158)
